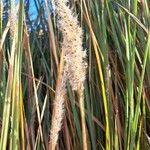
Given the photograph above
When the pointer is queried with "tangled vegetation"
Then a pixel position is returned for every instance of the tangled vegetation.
(75, 74)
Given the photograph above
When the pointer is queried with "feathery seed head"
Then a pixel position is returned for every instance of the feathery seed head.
(57, 113)
(13, 18)
(74, 55)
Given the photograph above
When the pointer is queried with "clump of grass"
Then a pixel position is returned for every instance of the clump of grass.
(113, 108)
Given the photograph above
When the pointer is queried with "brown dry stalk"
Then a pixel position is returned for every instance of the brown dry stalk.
(82, 112)
(74, 68)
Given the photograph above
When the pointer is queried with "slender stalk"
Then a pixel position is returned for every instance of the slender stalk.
(82, 112)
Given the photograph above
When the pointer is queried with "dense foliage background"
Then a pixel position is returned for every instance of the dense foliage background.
(116, 36)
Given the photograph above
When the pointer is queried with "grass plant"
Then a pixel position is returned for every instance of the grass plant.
(104, 103)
